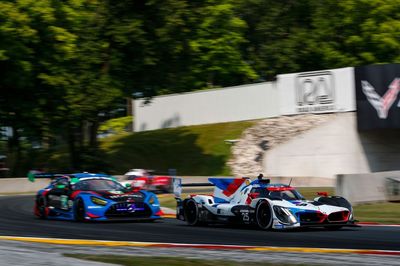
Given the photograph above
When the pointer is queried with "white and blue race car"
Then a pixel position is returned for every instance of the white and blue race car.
(269, 206)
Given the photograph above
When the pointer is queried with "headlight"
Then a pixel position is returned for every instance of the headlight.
(98, 201)
(284, 215)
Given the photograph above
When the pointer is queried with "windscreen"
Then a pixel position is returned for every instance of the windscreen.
(99, 185)
(286, 195)
(279, 194)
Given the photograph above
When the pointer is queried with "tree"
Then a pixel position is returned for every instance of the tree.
(357, 32)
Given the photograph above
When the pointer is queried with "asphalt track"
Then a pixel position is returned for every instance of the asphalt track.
(17, 219)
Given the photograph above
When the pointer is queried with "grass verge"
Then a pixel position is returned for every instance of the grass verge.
(165, 261)
(194, 150)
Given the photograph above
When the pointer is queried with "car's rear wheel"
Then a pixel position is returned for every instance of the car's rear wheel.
(41, 207)
(264, 215)
(191, 212)
(80, 210)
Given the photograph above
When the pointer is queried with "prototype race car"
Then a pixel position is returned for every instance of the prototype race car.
(269, 206)
(96, 197)
(146, 179)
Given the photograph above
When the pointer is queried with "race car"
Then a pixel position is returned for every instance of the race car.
(93, 197)
(260, 203)
(146, 179)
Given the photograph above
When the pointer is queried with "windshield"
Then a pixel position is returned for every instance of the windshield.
(280, 194)
(99, 185)
(286, 195)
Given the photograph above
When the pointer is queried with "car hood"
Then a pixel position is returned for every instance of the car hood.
(120, 196)
(309, 206)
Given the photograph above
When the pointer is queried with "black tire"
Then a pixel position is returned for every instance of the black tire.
(191, 212)
(80, 211)
(41, 207)
(264, 215)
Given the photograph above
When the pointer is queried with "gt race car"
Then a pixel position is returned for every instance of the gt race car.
(260, 203)
(148, 180)
(93, 197)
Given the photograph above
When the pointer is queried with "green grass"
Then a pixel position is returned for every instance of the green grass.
(165, 261)
(387, 213)
(194, 150)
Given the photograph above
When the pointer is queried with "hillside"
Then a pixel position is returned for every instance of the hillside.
(194, 150)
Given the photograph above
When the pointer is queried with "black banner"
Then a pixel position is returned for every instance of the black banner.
(378, 96)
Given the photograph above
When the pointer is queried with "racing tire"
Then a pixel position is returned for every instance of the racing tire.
(264, 215)
(41, 207)
(80, 211)
(191, 212)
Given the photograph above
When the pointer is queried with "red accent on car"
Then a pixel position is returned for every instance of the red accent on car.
(35, 209)
(159, 213)
(91, 215)
(75, 193)
(321, 216)
(279, 188)
(342, 216)
(325, 194)
(233, 186)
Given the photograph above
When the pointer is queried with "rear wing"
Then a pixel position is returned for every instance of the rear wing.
(33, 174)
(226, 188)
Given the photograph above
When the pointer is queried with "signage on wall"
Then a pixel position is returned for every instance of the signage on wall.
(377, 95)
(315, 92)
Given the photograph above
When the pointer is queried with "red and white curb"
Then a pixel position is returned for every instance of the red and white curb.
(106, 243)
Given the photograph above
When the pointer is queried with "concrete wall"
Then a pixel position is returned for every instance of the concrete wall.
(21, 185)
(364, 188)
(335, 148)
(308, 92)
(206, 107)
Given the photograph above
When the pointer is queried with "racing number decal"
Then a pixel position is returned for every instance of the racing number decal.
(245, 216)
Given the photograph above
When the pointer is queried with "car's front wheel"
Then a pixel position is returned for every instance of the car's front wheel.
(41, 206)
(80, 210)
(264, 215)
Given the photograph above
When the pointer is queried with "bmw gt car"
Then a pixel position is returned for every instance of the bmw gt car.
(269, 206)
(93, 197)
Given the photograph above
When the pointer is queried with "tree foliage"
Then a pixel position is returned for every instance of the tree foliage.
(65, 66)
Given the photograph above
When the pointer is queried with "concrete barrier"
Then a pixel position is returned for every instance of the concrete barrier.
(368, 188)
(23, 185)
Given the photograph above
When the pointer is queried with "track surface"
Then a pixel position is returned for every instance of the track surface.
(16, 219)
